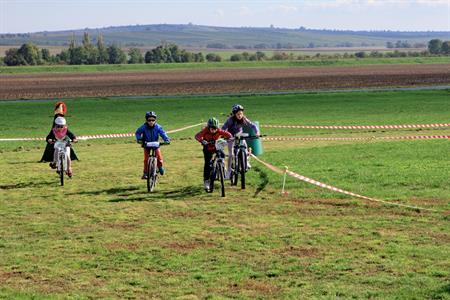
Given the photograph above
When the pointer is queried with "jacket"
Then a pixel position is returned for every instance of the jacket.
(206, 135)
(233, 126)
(151, 134)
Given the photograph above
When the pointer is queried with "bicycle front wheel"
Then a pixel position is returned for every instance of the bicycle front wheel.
(234, 171)
(221, 170)
(212, 177)
(242, 167)
(61, 169)
(151, 176)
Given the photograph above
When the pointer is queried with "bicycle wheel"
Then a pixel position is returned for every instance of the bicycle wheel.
(221, 170)
(234, 172)
(242, 167)
(61, 169)
(212, 177)
(151, 176)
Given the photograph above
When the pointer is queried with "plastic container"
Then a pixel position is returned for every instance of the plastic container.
(255, 143)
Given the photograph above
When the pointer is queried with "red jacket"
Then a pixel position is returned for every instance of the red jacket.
(206, 135)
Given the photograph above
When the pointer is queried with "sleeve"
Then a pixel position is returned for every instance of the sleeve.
(199, 135)
(225, 134)
(252, 125)
(71, 135)
(164, 135)
(226, 125)
(50, 135)
(139, 133)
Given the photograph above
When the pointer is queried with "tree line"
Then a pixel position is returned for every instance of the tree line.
(89, 53)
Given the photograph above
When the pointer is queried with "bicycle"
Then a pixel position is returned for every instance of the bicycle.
(218, 166)
(239, 164)
(152, 174)
(61, 158)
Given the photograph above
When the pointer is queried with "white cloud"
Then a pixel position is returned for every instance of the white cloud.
(245, 11)
(286, 9)
(219, 13)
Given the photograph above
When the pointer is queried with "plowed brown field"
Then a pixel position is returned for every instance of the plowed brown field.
(42, 86)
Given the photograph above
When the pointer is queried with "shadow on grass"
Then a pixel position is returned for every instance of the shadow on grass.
(120, 191)
(175, 194)
(22, 185)
(23, 162)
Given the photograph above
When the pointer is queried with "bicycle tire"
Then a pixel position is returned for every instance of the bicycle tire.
(234, 171)
(61, 169)
(242, 168)
(221, 168)
(151, 177)
(212, 177)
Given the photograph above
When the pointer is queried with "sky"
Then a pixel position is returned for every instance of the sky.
(20, 16)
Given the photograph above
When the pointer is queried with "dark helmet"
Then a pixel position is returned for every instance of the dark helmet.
(213, 123)
(235, 108)
(150, 114)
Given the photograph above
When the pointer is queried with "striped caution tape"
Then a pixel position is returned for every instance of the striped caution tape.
(331, 188)
(419, 137)
(99, 136)
(359, 126)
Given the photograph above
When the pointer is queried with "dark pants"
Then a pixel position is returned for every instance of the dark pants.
(207, 167)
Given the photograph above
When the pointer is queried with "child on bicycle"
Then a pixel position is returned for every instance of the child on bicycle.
(234, 125)
(60, 131)
(206, 137)
(150, 131)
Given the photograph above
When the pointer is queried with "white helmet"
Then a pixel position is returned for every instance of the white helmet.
(60, 121)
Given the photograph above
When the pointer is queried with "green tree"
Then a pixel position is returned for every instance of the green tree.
(116, 55)
(45, 54)
(13, 58)
(103, 56)
(435, 46)
(30, 53)
(213, 57)
(445, 48)
(135, 56)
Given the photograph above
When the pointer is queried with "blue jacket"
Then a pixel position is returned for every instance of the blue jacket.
(151, 134)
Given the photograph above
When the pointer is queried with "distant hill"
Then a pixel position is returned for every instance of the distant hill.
(198, 36)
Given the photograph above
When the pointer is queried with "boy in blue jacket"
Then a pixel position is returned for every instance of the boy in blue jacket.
(150, 132)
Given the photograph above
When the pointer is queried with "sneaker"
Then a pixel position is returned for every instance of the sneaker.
(144, 176)
(206, 185)
(227, 174)
(161, 170)
(52, 165)
(69, 173)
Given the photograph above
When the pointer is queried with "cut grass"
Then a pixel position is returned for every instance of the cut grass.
(224, 64)
(103, 236)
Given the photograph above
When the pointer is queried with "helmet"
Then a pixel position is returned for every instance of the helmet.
(60, 121)
(236, 107)
(213, 123)
(150, 114)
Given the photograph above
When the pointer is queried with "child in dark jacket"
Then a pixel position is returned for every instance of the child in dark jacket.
(150, 131)
(210, 133)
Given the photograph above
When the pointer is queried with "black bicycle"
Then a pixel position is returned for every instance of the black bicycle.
(218, 166)
(152, 166)
(239, 164)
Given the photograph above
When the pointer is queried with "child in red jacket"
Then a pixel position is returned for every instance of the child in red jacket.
(210, 133)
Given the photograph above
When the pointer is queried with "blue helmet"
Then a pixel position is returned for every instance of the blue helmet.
(150, 114)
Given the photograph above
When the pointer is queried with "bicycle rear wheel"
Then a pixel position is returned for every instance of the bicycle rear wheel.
(234, 172)
(151, 176)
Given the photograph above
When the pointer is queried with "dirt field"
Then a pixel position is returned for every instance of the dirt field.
(42, 86)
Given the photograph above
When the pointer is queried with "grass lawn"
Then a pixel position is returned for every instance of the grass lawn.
(103, 236)
(224, 64)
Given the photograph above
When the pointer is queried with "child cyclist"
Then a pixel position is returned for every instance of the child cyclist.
(209, 134)
(150, 131)
(61, 132)
(234, 125)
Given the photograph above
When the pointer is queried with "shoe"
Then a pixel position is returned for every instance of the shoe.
(144, 176)
(206, 185)
(161, 170)
(227, 174)
(69, 173)
(52, 165)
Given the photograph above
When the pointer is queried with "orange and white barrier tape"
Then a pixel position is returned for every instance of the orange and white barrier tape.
(419, 137)
(329, 187)
(359, 126)
(99, 136)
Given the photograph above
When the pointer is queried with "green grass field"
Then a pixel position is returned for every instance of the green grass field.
(224, 64)
(103, 236)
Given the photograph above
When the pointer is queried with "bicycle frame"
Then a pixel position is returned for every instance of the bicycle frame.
(218, 166)
(152, 165)
(61, 158)
(240, 157)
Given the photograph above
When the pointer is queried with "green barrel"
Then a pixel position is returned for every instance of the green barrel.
(254, 144)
